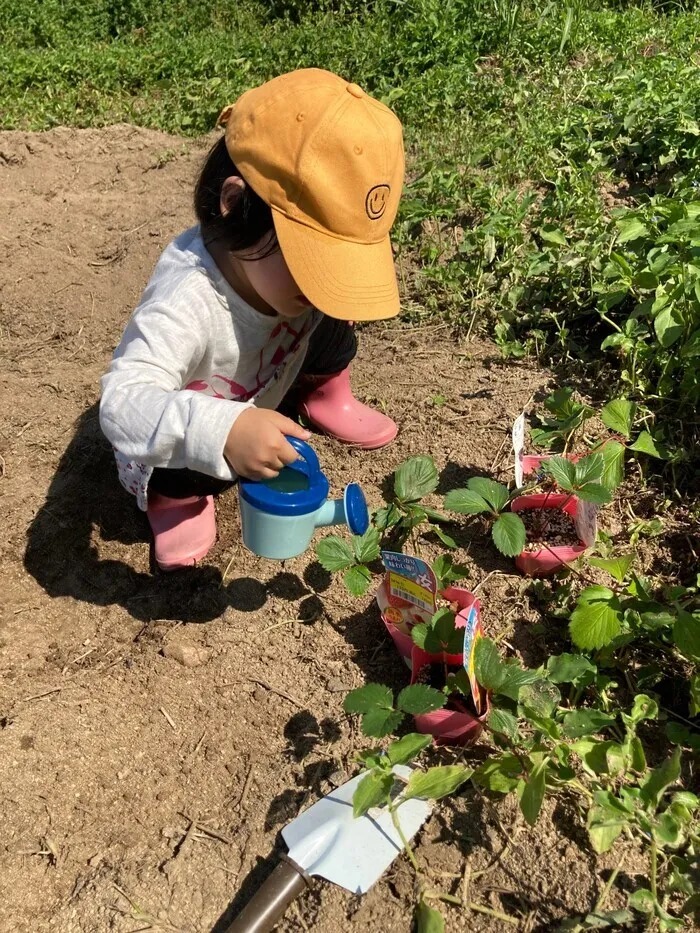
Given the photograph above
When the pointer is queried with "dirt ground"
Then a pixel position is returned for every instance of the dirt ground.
(109, 748)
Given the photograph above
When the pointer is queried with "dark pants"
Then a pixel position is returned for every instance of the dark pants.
(332, 348)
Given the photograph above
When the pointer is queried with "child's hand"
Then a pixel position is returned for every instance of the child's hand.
(256, 447)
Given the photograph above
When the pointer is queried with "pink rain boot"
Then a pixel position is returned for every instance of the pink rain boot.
(183, 529)
(331, 407)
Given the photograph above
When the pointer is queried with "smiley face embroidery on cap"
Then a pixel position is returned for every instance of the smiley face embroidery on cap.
(376, 201)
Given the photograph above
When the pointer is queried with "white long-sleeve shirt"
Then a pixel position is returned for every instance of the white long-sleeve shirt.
(193, 356)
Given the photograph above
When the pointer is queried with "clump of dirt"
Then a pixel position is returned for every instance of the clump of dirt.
(137, 790)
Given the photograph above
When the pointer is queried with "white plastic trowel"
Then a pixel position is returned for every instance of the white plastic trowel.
(328, 842)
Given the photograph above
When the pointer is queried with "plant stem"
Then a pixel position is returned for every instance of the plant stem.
(654, 854)
(404, 841)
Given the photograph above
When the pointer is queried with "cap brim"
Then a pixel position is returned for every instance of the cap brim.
(345, 280)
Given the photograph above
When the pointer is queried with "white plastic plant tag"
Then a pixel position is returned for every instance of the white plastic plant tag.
(586, 522)
(518, 446)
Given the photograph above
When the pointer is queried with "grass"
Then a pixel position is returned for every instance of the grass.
(526, 124)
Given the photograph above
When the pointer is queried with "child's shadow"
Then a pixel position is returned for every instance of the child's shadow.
(84, 507)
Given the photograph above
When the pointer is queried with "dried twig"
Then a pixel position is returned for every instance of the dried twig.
(38, 696)
(280, 693)
(168, 718)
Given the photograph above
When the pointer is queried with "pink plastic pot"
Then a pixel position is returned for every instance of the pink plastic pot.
(532, 462)
(548, 560)
(447, 726)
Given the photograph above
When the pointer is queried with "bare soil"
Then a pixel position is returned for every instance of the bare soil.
(109, 746)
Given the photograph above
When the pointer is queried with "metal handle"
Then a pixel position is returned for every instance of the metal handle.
(270, 902)
(306, 453)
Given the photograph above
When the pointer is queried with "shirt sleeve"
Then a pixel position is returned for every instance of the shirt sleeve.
(146, 413)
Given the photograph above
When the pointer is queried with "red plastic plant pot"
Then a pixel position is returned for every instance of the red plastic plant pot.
(447, 726)
(532, 462)
(547, 561)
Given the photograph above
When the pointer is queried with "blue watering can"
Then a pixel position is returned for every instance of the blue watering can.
(280, 515)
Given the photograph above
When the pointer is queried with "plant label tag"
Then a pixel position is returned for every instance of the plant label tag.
(410, 580)
(586, 521)
(472, 633)
(518, 446)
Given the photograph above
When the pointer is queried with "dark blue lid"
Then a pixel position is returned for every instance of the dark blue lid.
(298, 502)
(356, 511)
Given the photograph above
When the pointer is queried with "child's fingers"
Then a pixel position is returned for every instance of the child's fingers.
(287, 426)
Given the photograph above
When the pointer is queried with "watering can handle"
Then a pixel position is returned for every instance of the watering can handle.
(268, 905)
(306, 453)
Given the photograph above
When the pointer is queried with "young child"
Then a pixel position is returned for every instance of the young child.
(294, 204)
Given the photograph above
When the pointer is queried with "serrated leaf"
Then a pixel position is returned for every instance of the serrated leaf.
(466, 502)
(358, 580)
(597, 618)
(496, 494)
(386, 517)
(563, 472)
(589, 469)
(613, 454)
(372, 791)
(594, 492)
(407, 748)
(428, 920)
(380, 722)
(660, 778)
(436, 782)
(618, 415)
(500, 720)
(686, 635)
(617, 567)
(509, 534)
(420, 698)
(366, 546)
(415, 478)
(371, 696)
(567, 668)
(533, 793)
(646, 444)
(488, 666)
(582, 722)
(334, 554)
(527, 687)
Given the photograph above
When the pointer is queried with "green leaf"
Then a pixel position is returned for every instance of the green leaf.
(642, 708)
(415, 478)
(496, 494)
(686, 635)
(642, 900)
(488, 667)
(646, 280)
(334, 554)
(500, 720)
(540, 696)
(660, 778)
(593, 753)
(466, 502)
(563, 472)
(668, 325)
(618, 415)
(366, 546)
(509, 534)
(407, 748)
(667, 830)
(585, 721)
(533, 792)
(646, 444)
(589, 469)
(638, 760)
(596, 921)
(436, 782)
(386, 517)
(500, 774)
(631, 228)
(380, 722)
(694, 702)
(551, 234)
(613, 454)
(358, 580)
(604, 828)
(444, 537)
(567, 668)
(597, 618)
(428, 920)
(373, 790)
(617, 567)
(371, 696)
(594, 492)
(420, 698)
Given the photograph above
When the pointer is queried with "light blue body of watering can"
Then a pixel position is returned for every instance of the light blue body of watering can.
(280, 515)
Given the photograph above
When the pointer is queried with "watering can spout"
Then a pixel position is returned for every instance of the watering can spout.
(351, 510)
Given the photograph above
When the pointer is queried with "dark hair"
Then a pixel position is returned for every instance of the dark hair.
(249, 219)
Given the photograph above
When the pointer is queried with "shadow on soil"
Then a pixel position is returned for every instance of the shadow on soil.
(63, 548)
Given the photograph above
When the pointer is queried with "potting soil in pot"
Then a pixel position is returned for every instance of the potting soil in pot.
(549, 528)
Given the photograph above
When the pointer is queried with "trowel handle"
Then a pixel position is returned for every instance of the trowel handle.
(270, 901)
